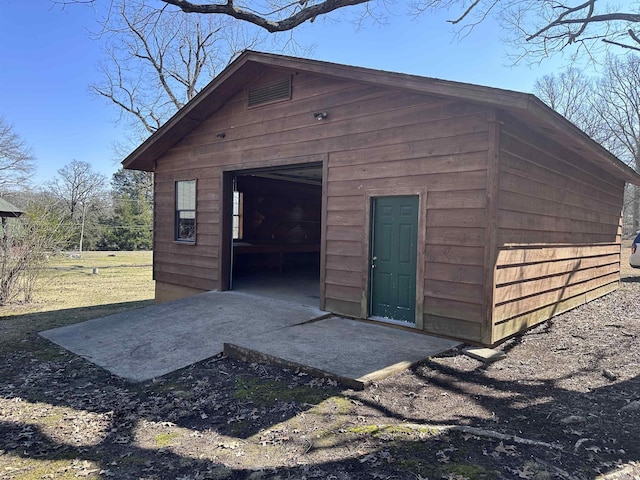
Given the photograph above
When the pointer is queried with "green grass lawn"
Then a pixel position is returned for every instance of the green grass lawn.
(68, 292)
(70, 282)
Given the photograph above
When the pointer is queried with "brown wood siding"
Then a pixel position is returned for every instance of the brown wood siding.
(558, 231)
(446, 154)
(188, 265)
(373, 138)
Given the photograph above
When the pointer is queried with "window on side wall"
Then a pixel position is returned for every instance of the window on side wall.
(185, 211)
(237, 215)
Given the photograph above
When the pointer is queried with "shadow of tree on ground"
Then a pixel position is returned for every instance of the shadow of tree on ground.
(544, 414)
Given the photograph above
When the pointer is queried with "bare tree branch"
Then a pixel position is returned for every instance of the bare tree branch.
(77, 185)
(465, 13)
(17, 163)
(284, 16)
(301, 11)
(536, 29)
(157, 60)
(608, 109)
(622, 45)
(583, 22)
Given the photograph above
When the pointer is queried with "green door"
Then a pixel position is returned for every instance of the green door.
(394, 249)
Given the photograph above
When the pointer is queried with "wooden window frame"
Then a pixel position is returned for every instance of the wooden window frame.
(238, 212)
(178, 236)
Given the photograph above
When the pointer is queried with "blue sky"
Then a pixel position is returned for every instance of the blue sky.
(48, 60)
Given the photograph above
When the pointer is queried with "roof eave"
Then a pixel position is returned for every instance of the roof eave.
(189, 116)
(584, 142)
(250, 63)
(185, 119)
(9, 210)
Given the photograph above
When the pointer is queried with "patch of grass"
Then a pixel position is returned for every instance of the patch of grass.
(339, 405)
(365, 430)
(327, 439)
(326, 442)
(51, 419)
(472, 472)
(32, 469)
(88, 260)
(264, 393)
(336, 405)
(392, 430)
(165, 439)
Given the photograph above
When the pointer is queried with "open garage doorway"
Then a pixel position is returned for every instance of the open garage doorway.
(274, 218)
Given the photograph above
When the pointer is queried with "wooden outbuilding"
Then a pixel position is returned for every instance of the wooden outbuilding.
(7, 210)
(459, 210)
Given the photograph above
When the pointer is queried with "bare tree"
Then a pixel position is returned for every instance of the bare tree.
(542, 27)
(81, 189)
(156, 60)
(572, 94)
(272, 15)
(607, 108)
(546, 25)
(38, 233)
(16, 160)
(617, 103)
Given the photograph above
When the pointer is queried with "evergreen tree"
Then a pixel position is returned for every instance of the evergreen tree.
(131, 226)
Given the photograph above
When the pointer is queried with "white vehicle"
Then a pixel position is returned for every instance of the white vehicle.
(634, 260)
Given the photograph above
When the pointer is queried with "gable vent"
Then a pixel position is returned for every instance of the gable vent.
(270, 93)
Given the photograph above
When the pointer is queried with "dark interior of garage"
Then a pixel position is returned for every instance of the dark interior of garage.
(276, 233)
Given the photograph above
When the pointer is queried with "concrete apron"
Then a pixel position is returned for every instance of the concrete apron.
(142, 344)
(355, 353)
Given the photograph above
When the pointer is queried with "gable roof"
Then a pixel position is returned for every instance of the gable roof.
(250, 64)
(9, 210)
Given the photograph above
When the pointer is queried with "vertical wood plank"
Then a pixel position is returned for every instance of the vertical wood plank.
(323, 234)
(225, 253)
(491, 228)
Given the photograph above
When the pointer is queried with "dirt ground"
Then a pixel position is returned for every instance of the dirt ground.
(564, 403)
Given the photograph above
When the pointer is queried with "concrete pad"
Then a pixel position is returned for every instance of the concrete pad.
(149, 342)
(353, 352)
(487, 355)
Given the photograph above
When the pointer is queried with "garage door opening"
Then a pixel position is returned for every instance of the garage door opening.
(276, 230)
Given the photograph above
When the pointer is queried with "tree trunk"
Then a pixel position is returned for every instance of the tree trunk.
(84, 211)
